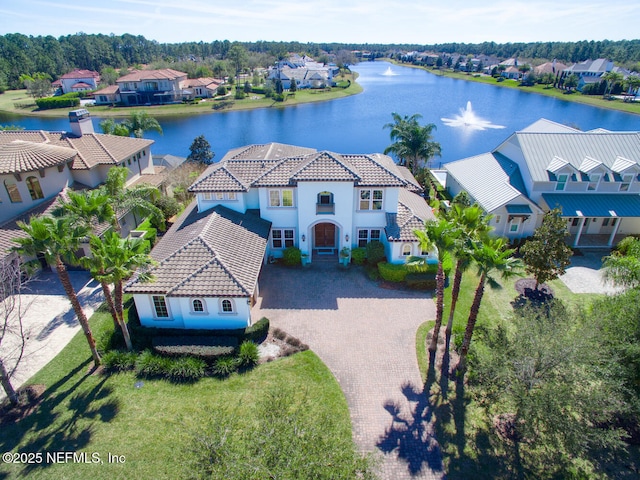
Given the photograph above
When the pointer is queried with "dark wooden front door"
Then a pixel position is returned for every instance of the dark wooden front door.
(325, 234)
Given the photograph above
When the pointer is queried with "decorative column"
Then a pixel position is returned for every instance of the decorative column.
(582, 220)
(618, 221)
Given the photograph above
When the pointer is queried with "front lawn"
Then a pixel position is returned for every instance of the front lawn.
(144, 428)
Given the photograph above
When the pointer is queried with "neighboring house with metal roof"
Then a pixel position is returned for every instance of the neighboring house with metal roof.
(258, 201)
(594, 177)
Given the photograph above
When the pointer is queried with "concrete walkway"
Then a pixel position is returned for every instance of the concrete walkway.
(49, 320)
(366, 336)
(584, 275)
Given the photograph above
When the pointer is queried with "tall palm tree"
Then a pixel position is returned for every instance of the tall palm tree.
(612, 78)
(473, 225)
(490, 257)
(57, 239)
(140, 122)
(413, 143)
(115, 260)
(133, 199)
(440, 234)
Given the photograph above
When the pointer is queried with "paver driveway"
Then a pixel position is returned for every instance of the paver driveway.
(366, 336)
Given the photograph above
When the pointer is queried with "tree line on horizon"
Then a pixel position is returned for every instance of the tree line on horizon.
(21, 54)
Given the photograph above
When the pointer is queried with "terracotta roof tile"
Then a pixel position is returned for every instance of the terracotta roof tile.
(22, 156)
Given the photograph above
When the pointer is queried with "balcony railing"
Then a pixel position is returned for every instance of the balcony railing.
(325, 209)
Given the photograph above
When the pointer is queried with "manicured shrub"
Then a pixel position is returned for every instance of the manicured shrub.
(239, 95)
(257, 333)
(202, 347)
(222, 90)
(248, 355)
(186, 369)
(392, 272)
(358, 255)
(291, 256)
(63, 101)
(375, 252)
(151, 365)
(421, 281)
(119, 361)
(225, 366)
(169, 206)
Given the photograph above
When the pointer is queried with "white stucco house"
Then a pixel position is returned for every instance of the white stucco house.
(593, 177)
(259, 200)
(37, 167)
(79, 80)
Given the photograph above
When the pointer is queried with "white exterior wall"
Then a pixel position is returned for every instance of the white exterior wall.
(237, 205)
(91, 178)
(51, 184)
(67, 83)
(252, 198)
(629, 226)
(182, 316)
(394, 252)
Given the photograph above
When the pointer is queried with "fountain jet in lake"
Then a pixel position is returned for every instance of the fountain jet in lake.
(469, 120)
(389, 73)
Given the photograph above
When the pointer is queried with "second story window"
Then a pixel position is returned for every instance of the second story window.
(281, 198)
(12, 191)
(594, 180)
(34, 188)
(562, 182)
(627, 180)
(325, 203)
(370, 200)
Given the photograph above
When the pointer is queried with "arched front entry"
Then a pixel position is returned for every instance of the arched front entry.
(325, 236)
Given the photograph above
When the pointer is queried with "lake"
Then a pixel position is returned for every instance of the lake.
(355, 124)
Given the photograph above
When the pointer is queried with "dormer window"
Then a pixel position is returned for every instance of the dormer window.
(594, 180)
(562, 182)
(627, 180)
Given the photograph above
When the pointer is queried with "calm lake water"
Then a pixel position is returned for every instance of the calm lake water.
(355, 124)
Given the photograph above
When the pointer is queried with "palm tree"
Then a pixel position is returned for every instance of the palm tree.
(140, 122)
(130, 199)
(490, 257)
(473, 224)
(413, 144)
(612, 78)
(115, 260)
(440, 234)
(57, 239)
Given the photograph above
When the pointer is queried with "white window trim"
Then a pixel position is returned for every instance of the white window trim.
(370, 200)
(624, 182)
(369, 238)
(155, 310)
(215, 196)
(233, 306)
(516, 221)
(283, 238)
(564, 184)
(193, 310)
(280, 191)
(402, 254)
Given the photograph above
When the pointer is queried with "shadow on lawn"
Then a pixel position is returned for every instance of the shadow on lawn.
(51, 433)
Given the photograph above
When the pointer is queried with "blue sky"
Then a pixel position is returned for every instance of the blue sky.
(357, 21)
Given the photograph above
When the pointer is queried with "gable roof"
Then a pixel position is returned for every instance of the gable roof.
(142, 75)
(22, 156)
(214, 253)
(413, 212)
(80, 74)
(492, 180)
(273, 165)
(91, 149)
(539, 149)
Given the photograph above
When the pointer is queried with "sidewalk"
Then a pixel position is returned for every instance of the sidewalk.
(49, 320)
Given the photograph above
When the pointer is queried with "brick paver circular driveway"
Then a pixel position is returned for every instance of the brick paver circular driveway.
(366, 336)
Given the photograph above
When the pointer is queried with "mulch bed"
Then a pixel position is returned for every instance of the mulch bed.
(30, 398)
(527, 288)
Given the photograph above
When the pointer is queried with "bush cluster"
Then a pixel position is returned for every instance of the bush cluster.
(291, 256)
(202, 347)
(358, 255)
(375, 252)
(63, 101)
(392, 272)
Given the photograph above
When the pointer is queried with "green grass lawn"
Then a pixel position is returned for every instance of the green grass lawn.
(148, 426)
(11, 100)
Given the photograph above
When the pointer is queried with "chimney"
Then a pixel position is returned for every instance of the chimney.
(80, 121)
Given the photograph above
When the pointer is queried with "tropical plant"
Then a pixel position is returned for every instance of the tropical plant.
(135, 199)
(491, 257)
(110, 127)
(546, 255)
(413, 143)
(115, 260)
(140, 122)
(622, 267)
(57, 239)
(473, 225)
(440, 234)
(611, 78)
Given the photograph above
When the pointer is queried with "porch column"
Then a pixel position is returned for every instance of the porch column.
(582, 220)
(615, 230)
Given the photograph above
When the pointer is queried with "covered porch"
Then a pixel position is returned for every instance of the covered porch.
(597, 220)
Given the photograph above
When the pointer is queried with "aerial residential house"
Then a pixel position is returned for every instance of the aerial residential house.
(107, 96)
(589, 71)
(79, 80)
(306, 72)
(36, 167)
(258, 201)
(151, 87)
(200, 87)
(593, 177)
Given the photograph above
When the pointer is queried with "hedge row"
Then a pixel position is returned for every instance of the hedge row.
(202, 347)
(62, 101)
(401, 272)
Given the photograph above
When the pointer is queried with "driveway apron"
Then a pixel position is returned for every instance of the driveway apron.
(365, 334)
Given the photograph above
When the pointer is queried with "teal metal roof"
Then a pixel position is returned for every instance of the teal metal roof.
(518, 209)
(595, 205)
